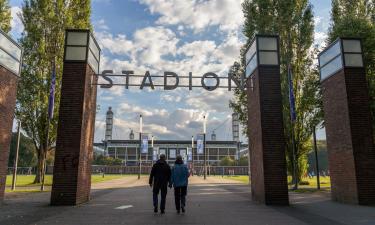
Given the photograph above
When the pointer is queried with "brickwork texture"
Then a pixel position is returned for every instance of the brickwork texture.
(266, 137)
(75, 136)
(8, 93)
(349, 133)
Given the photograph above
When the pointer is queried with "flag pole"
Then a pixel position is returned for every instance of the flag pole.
(51, 102)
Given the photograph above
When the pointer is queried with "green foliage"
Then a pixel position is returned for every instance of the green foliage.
(227, 161)
(26, 156)
(43, 43)
(106, 160)
(322, 158)
(5, 16)
(243, 161)
(357, 19)
(293, 21)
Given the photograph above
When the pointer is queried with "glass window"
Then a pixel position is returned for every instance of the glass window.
(132, 151)
(163, 151)
(329, 54)
(223, 151)
(172, 153)
(93, 63)
(120, 150)
(354, 60)
(77, 38)
(267, 43)
(251, 51)
(352, 46)
(268, 58)
(330, 68)
(232, 151)
(75, 53)
(10, 47)
(94, 48)
(251, 66)
(9, 62)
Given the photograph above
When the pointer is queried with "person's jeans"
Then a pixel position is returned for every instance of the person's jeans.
(180, 197)
(163, 193)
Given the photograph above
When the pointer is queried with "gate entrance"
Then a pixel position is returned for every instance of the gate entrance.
(71, 180)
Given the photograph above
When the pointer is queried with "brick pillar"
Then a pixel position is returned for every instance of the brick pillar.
(266, 137)
(75, 135)
(349, 136)
(8, 93)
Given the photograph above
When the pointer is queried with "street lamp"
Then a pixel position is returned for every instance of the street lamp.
(204, 147)
(81, 46)
(10, 54)
(140, 146)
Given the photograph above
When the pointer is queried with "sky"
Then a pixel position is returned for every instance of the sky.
(182, 36)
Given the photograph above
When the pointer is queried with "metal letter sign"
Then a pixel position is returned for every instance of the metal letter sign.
(109, 79)
(200, 144)
(144, 146)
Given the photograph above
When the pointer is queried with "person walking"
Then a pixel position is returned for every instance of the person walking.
(159, 178)
(179, 180)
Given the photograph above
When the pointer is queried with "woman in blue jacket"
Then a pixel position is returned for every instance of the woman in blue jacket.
(179, 179)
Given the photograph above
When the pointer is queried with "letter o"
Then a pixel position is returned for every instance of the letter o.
(210, 75)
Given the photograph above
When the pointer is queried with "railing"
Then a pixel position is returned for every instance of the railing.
(146, 169)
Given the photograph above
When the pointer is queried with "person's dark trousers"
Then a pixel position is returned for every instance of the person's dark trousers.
(180, 197)
(163, 193)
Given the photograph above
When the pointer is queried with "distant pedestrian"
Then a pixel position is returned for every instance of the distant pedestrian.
(159, 178)
(180, 174)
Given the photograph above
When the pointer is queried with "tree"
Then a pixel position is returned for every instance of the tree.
(5, 16)
(293, 21)
(106, 160)
(227, 161)
(45, 22)
(26, 156)
(357, 19)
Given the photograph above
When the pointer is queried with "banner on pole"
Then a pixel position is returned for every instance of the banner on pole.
(144, 144)
(155, 154)
(200, 146)
(190, 154)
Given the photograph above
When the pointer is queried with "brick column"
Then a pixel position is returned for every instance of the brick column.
(8, 93)
(266, 137)
(75, 135)
(349, 136)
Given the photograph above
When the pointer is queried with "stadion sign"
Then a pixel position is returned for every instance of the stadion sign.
(169, 80)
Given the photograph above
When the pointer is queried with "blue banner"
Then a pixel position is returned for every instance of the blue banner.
(144, 144)
(200, 144)
(51, 99)
(155, 154)
(292, 102)
(190, 155)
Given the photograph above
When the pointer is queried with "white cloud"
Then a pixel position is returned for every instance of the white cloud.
(198, 15)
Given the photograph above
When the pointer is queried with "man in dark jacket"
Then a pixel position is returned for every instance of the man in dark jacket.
(159, 179)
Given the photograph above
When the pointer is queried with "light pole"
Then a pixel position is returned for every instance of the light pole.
(16, 157)
(140, 146)
(204, 147)
(152, 147)
(192, 155)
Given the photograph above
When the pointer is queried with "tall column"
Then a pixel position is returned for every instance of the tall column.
(348, 122)
(75, 132)
(10, 61)
(265, 122)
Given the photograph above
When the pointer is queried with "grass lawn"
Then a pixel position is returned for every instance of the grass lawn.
(325, 182)
(27, 180)
(243, 179)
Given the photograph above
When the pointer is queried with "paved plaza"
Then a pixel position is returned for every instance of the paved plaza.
(215, 201)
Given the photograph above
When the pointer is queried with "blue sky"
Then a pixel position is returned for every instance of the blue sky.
(196, 36)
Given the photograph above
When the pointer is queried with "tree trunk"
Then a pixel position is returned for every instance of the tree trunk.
(39, 169)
